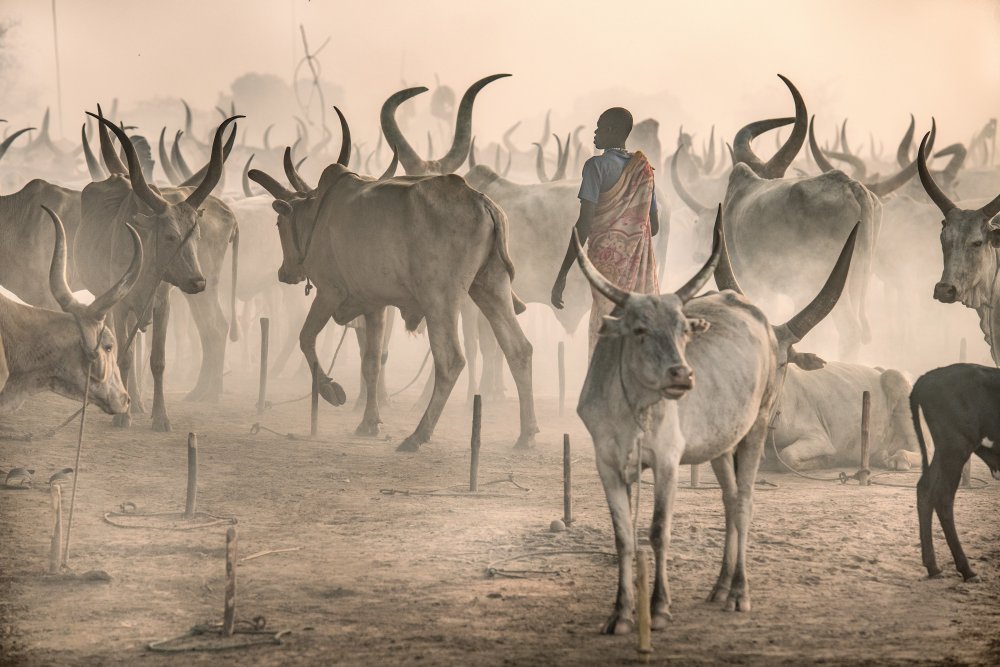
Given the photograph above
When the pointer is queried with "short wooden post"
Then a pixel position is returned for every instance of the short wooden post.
(562, 377)
(477, 423)
(229, 611)
(567, 482)
(962, 351)
(864, 474)
(314, 415)
(55, 555)
(192, 487)
(645, 645)
(265, 338)
(695, 475)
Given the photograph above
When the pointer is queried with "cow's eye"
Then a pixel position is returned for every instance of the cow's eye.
(977, 244)
(107, 348)
(639, 331)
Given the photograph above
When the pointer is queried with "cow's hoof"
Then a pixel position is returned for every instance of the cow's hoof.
(660, 620)
(934, 574)
(972, 578)
(367, 428)
(617, 625)
(738, 601)
(525, 442)
(718, 593)
(162, 424)
(332, 393)
(122, 421)
(411, 444)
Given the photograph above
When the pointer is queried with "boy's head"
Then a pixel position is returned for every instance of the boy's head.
(613, 128)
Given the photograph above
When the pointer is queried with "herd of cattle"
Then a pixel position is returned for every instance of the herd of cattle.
(676, 379)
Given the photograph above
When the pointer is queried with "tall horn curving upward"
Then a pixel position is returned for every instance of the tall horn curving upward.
(214, 171)
(273, 187)
(508, 143)
(958, 154)
(903, 152)
(412, 163)
(267, 137)
(247, 192)
(817, 153)
(708, 163)
(563, 160)
(885, 186)
(345, 141)
(196, 178)
(858, 168)
(9, 140)
(827, 298)
(390, 171)
(601, 284)
(105, 302)
(691, 288)
(725, 277)
(844, 146)
(139, 186)
(540, 163)
(780, 161)
(930, 187)
(165, 163)
(111, 159)
(472, 154)
(546, 131)
(177, 158)
(93, 164)
(685, 196)
(293, 176)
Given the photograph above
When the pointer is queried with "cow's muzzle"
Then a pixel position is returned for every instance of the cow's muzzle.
(945, 293)
(681, 382)
(194, 285)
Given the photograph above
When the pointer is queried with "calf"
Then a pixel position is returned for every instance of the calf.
(960, 407)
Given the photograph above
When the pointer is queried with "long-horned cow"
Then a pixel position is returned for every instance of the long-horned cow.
(71, 353)
(696, 379)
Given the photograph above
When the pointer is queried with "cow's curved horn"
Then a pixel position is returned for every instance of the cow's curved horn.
(930, 187)
(408, 157)
(732, 155)
(691, 288)
(858, 168)
(303, 132)
(196, 178)
(821, 161)
(725, 277)
(93, 164)
(510, 157)
(472, 154)
(177, 158)
(345, 141)
(214, 171)
(600, 283)
(844, 146)
(57, 269)
(9, 140)
(105, 302)
(247, 192)
(563, 160)
(292, 175)
(992, 208)
(708, 164)
(685, 196)
(463, 126)
(508, 143)
(273, 187)
(780, 161)
(540, 163)
(827, 298)
(903, 151)
(887, 185)
(111, 159)
(165, 163)
(267, 137)
(390, 171)
(741, 151)
(958, 154)
(139, 186)
(546, 131)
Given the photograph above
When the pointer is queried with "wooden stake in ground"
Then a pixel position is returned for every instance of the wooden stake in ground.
(866, 403)
(562, 377)
(695, 475)
(229, 611)
(645, 645)
(265, 334)
(192, 487)
(477, 423)
(76, 466)
(567, 483)
(314, 415)
(55, 555)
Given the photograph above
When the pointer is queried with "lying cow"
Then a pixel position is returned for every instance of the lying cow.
(959, 403)
(818, 424)
(64, 352)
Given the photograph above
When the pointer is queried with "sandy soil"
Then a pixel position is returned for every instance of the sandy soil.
(401, 579)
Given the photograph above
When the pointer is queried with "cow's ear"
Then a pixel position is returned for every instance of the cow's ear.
(993, 236)
(281, 207)
(611, 326)
(807, 361)
(698, 325)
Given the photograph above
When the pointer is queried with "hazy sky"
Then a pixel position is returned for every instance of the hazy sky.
(695, 63)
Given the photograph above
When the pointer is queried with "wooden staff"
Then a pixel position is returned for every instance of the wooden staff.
(314, 416)
(866, 403)
(477, 423)
(265, 334)
(562, 377)
(55, 555)
(695, 475)
(567, 483)
(645, 645)
(192, 487)
(229, 610)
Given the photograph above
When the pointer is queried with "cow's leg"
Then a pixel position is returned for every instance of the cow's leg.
(927, 488)
(360, 332)
(808, 453)
(491, 386)
(135, 377)
(950, 476)
(664, 490)
(212, 329)
(747, 459)
(125, 358)
(442, 330)
(371, 365)
(383, 393)
(492, 294)
(470, 338)
(617, 491)
(320, 313)
(725, 473)
(158, 361)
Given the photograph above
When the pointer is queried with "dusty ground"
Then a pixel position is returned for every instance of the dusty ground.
(401, 579)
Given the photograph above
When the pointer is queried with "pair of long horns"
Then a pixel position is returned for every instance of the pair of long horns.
(675, 178)
(562, 159)
(9, 140)
(496, 159)
(291, 171)
(780, 161)
(105, 302)
(412, 163)
(938, 196)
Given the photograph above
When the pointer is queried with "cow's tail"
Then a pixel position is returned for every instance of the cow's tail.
(234, 323)
(500, 226)
(915, 410)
